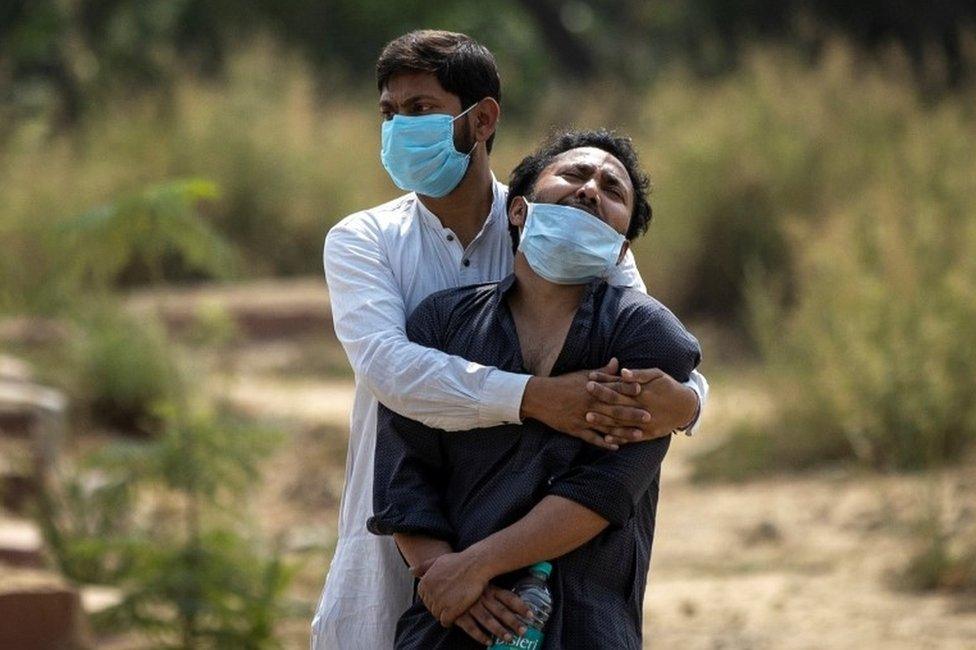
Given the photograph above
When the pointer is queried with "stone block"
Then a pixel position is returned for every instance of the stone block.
(96, 599)
(35, 413)
(21, 544)
(39, 611)
(17, 490)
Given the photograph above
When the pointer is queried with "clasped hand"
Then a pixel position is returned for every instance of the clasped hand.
(608, 409)
(456, 591)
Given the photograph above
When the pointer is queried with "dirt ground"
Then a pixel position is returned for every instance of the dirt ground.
(796, 562)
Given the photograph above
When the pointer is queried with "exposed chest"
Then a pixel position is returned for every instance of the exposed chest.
(542, 343)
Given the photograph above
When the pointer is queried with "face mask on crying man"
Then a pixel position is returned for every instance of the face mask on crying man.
(567, 245)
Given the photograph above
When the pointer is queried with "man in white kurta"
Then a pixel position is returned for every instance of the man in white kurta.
(380, 264)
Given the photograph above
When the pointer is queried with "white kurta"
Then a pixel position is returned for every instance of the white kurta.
(380, 264)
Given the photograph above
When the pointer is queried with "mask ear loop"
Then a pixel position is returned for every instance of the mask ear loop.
(464, 112)
(461, 114)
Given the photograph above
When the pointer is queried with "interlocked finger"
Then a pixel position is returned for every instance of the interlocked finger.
(595, 437)
(622, 415)
(609, 426)
(627, 388)
(642, 375)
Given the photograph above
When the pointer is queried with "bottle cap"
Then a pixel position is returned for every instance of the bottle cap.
(542, 567)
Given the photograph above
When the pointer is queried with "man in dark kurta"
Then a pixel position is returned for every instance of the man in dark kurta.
(498, 499)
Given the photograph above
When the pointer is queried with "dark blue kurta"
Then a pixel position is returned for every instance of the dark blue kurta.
(464, 486)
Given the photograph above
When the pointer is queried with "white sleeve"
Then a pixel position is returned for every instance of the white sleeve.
(699, 384)
(626, 274)
(437, 389)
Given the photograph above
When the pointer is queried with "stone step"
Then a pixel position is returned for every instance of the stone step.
(14, 369)
(96, 599)
(261, 310)
(18, 489)
(21, 544)
(33, 331)
(39, 611)
(34, 413)
(18, 475)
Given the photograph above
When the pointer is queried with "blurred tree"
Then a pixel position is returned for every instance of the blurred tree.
(74, 48)
(558, 28)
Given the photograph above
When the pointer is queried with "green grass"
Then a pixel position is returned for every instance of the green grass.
(830, 210)
(737, 163)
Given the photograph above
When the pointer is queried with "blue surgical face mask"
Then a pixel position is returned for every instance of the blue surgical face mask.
(566, 245)
(419, 155)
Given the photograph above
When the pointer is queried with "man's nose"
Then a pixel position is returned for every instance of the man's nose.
(588, 192)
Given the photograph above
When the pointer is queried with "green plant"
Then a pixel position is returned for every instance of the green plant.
(146, 229)
(87, 521)
(943, 560)
(124, 370)
(163, 520)
(57, 265)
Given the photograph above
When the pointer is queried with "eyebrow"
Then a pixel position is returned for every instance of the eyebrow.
(413, 99)
(612, 177)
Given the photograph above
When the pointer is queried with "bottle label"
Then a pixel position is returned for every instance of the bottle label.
(531, 640)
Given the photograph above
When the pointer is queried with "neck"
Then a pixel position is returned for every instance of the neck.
(466, 208)
(544, 300)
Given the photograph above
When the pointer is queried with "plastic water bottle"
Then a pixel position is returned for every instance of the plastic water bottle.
(533, 591)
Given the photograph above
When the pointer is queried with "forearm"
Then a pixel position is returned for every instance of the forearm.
(554, 527)
(442, 391)
(534, 401)
(419, 549)
(401, 368)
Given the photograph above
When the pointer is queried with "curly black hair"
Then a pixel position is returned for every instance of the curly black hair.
(523, 177)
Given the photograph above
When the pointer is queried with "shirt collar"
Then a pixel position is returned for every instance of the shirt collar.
(498, 195)
(505, 286)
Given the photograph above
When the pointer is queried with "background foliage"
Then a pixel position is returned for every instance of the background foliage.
(814, 197)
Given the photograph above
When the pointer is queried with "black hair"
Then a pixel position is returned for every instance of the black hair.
(463, 66)
(523, 177)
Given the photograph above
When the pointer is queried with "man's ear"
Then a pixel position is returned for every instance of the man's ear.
(517, 211)
(623, 251)
(485, 118)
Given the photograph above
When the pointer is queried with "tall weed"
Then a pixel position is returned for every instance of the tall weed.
(164, 521)
(734, 161)
(878, 350)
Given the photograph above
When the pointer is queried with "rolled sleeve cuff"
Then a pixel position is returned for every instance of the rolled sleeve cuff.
(390, 522)
(501, 398)
(701, 390)
(600, 493)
